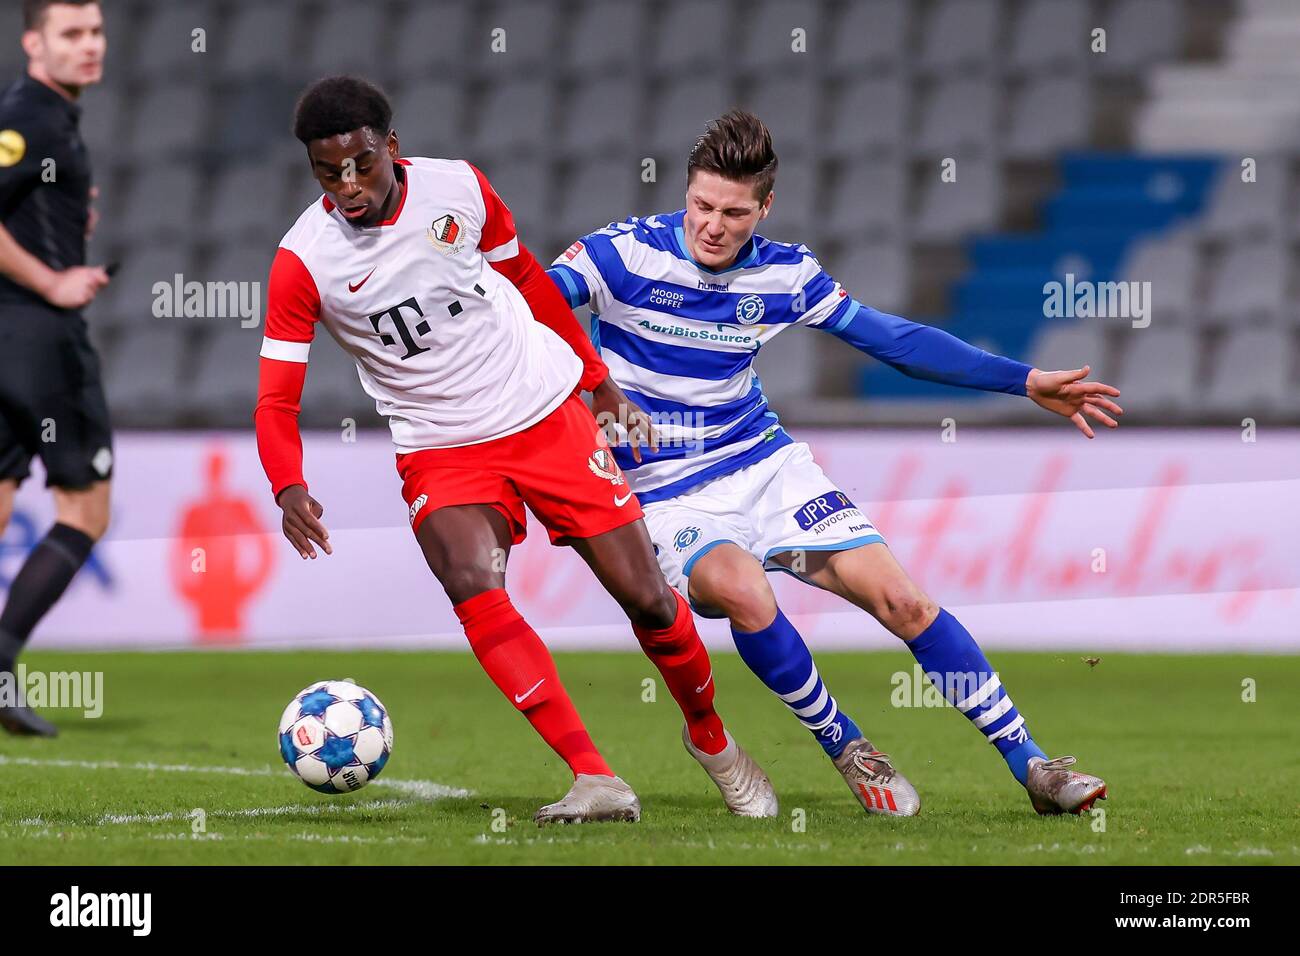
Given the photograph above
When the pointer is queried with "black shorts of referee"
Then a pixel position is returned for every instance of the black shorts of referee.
(52, 404)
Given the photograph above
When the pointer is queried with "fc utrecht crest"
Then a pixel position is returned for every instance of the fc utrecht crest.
(602, 465)
(445, 235)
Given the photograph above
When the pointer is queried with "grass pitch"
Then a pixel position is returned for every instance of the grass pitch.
(1196, 774)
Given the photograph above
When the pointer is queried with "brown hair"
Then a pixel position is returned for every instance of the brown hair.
(34, 10)
(736, 146)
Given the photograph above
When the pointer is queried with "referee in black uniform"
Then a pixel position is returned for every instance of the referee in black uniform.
(51, 399)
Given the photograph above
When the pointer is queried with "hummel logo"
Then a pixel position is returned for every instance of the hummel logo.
(620, 502)
(700, 689)
(520, 698)
(354, 288)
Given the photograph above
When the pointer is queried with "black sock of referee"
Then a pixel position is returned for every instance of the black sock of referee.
(40, 582)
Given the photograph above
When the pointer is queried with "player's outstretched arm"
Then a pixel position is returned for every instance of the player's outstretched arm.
(925, 352)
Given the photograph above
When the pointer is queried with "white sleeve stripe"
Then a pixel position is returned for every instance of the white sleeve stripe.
(285, 351)
(507, 250)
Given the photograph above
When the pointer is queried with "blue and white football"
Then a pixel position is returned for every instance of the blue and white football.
(336, 736)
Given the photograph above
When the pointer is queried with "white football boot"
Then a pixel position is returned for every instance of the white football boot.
(1053, 789)
(874, 781)
(592, 797)
(745, 788)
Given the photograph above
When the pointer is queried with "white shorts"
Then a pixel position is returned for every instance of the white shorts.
(783, 503)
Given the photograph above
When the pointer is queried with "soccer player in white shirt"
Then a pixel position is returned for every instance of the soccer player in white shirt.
(681, 302)
(414, 268)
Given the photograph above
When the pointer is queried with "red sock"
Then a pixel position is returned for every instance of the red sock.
(684, 664)
(521, 666)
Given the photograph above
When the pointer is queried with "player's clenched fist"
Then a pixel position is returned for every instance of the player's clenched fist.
(302, 524)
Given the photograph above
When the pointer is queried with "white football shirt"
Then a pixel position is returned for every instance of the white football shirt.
(445, 345)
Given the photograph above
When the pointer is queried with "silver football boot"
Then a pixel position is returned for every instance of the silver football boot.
(592, 797)
(745, 788)
(874, 781)
(1053, 789)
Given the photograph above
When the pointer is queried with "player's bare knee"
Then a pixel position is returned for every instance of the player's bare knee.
(97, 524)
(906, 610)
(463, 583)
(89, 522)
(87, 510)
(651, 605)
(746, 599)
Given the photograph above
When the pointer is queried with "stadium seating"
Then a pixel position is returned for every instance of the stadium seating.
(431, 41)
(440, 103)
(255, 40)
(597, 192)
(969, 203)
(960, 35)
(1169, 262)
(1060, 346)
(1250, 285)
(1158, 371)
(867, 201)
(873, 117)
(1046, 37)
(1048, 115)
(176, 49)
(198, 172)
(1253, 373)
(870, 37)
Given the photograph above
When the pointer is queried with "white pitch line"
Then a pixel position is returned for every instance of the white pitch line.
(415, 789)
(309, 809)
(115, 765)
(425, 789)
(47, 834)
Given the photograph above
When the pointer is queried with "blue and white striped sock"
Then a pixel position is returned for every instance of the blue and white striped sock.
(781, 660)
(955, 665)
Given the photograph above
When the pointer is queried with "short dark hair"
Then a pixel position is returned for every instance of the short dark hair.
(736, 146)
(340, 104)
(34, 10)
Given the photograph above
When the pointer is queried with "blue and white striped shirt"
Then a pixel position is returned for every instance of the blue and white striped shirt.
(680, 339)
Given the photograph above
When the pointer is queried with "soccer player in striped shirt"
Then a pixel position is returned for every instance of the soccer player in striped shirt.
(414, 268)
(680, 304)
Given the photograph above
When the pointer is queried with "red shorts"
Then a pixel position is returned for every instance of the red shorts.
(561, 468)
